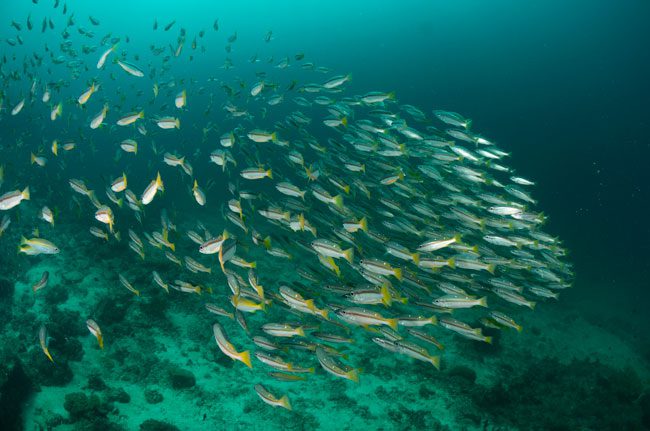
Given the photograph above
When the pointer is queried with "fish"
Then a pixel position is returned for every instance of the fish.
(228, 349)
(168, 123)
(94, 329)
(35, 246)
(47, 215)
(151, 190)
(131, 69)
(104, 56)
(42, 283)
(85, 96)
(130, 118)
(42, 339)
(99, 118)
(271, 399)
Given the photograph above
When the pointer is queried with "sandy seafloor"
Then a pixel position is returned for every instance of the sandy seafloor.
(569, 367)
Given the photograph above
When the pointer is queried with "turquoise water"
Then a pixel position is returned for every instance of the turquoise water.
(536, 205)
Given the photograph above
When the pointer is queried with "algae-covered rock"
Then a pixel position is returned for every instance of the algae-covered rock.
(156, 425)
(118, 395)
(96, 383)
(181, 379)
(79, 405)
(152, 396)
(43, 372)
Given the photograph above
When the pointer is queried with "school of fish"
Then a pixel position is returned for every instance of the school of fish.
(390, 220)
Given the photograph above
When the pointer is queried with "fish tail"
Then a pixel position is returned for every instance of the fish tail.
(310, 304)
(300, 331)
(531, 304)
(274, 137)
(245, 357)
(488, 340)
(25, 193)
(349, 254)
(435, 361)
(398, 273)
(451, 262)
(483, 302)
(32, 158)
(363, 224)
(338, 201)
(416, 258)
(353, 375)
(344, 121)
(284, 402)
(47, 353)
(392, 323)
(269, 173)
(490, 268)
(386, 299)
(100, 340)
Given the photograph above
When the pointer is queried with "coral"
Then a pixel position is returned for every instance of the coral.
(43, 372)
(152, 396)
(96, 383)
(181, 379)
(580, 395)
(118, 395)
(155, 425)
(79, 405)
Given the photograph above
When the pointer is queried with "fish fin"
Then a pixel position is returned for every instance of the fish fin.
(284, 402)
(344, 121)
(269, 173)
(338, 201)
(349, 254)
(483, 302)
(363, 224)
(451, 262)
(300, 331)
(435, 361)
(25, 193)
(490, 268)
(386, 299)
(398, 273)
(392, 323)
(245, 357)
(353, 375)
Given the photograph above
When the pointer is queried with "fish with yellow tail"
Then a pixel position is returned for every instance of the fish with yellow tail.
(43, 341)
(271, 399)
(94, 329)
(151, 190)
(228, 349)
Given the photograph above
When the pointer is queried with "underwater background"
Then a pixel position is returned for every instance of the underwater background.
(561, 86)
